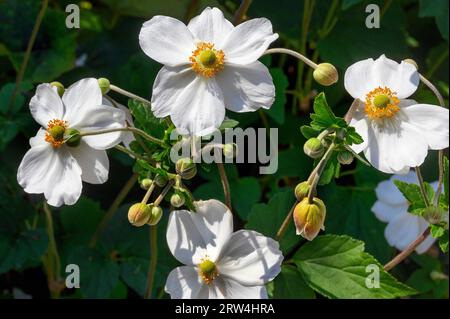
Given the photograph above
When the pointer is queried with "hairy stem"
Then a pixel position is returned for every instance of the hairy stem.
(124, 129)
(225, 184)
(422, 186)
(129, 94)
(153, 261)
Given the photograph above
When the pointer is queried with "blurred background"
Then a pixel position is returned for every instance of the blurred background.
(113, 255)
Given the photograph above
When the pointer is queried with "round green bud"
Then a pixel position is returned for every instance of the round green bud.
(435, 215)
(345, 157)
(155, 217)
(104, 85)
(411, 61)
(326, 74)
(74, 139)
(139, 214)
(309, 217)
(59, 87)
(314, 148)
(186, 168)
(302, 190)
(176, 200)
(146, 183)
(207, 58)
(160, 181)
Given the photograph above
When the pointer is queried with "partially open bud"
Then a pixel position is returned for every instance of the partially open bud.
(146, 183)
(326, 74)
(186, 168)
(155, 216)
(59, 87)
(104, 85)
(74, 139)
(176, 200)
(139, 214)
(302, 190)
(345, 157)
(229, 150)
(411, 61)
(160, 180)
(309, 218)
(435, 215)
(314, 148)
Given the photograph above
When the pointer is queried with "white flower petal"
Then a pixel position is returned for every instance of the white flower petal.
(46, 105)
(386, 212)
(79, 98)
(248, 41)
(210, 26)
(167, 40)
(250, 258)
(184, 283)
(366, 75)
(226, 288)
(402, 231)
(167, 88)
(432, 122)
(401, 78)
(97, 118)
(388, 193)
(199, 109)
(94, 163)
(246, 88)
(127, 137)
(39, 138)
(395, 146)
(358, 79)
(192, 236)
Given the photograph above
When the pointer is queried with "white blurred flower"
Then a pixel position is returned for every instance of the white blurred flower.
(219, 263)
(53, 167)
(391, 207)
(209, 65)
(397, 132)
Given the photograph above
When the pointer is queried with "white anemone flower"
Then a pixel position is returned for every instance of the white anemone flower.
(220, 264)
(56, 165)
(392, 208)
(209, 65)
(397, 132)
(127, 136)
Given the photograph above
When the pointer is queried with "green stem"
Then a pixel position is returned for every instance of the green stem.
(148, 193)
(225, 184)
(113, 208)
(53, 259)
(123, 129)
(129, 94)
(422, 186)
(293, 53)
(164, 192)
(287, 220)
(317, 172)
(153, 261)
(127, 151)
(241, 11)
(27, 55)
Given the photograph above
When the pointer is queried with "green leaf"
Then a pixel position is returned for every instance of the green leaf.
(276, 111)
(335, 266)
(289, 284)
(413, 194)
(145, 120)
(349, 3)
(267, 219)
(228, 123)
(308, 132)
(438, 9)
(323, 117)
(443, 242)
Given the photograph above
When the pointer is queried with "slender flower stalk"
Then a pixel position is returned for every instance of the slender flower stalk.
(129, 94)
(293, 53)
(129, 128)
(153, 261)
(422, 186)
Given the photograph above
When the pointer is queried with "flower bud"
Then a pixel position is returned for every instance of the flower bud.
(326, 74)
(313, 148)
(155, 216)
(160, 180)
(176, 200)
(74, 139)
(345, 157)
(309, 218)
(186, 168)
(139, 214)
(146, 183)
(411, 61)
(435, 215)
(302, 190)
(59, 87)
(104, 85)
(229, 150)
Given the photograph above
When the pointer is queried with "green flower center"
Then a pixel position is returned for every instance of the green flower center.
(57, 132)
(381, 101)
(208, 271)
(207, 58)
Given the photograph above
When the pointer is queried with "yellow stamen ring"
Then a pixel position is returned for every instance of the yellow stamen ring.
(381, 103)
(206, 60)
(55, 132)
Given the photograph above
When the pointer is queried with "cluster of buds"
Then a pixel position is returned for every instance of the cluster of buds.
(309, 217)
(140, 214)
